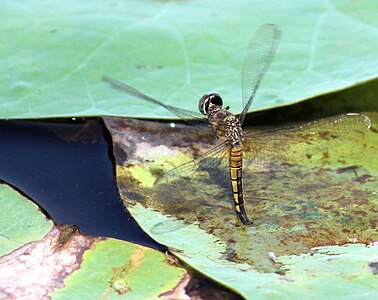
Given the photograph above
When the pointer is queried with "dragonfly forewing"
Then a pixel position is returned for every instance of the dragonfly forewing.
(188, 116)
(259, 55)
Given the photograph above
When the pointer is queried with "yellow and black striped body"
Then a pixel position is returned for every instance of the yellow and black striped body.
(227, 127)
(236, 176)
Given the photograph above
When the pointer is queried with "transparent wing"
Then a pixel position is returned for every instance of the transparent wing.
(260, 53)
(196, 189)
(212, 164)
(187, 115)
(304, 140)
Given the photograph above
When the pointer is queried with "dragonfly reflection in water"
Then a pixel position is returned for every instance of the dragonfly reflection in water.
(261, 148)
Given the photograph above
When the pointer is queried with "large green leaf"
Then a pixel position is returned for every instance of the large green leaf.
(53, 55)
(312, 200)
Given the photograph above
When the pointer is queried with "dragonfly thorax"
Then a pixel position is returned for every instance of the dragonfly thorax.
(226, 126)
(234, 132)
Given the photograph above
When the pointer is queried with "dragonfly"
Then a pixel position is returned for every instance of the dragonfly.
(259, 147)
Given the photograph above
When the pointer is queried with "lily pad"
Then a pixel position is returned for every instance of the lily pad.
(67, 263)
(21, 221)
(118, 269)
(54, 55)
(298, 205)
(38, 260)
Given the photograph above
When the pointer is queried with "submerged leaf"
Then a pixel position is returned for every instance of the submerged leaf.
(297, 204)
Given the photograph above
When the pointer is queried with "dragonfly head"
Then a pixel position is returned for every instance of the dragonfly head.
(209, 100)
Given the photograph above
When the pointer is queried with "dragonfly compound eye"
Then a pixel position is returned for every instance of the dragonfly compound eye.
(208, 100)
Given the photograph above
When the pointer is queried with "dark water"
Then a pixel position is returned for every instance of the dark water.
(66, 167)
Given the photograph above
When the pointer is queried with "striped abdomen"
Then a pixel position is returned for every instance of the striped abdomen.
(236, 176)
